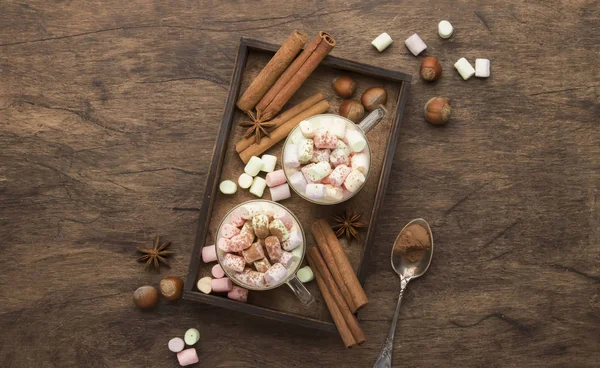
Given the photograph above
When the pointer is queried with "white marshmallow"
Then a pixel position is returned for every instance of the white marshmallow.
(286, 259)
(339, 174)
(280, 192)
(290, 156)
(315, 191)
(258, 186)
(356, 141)
(293, 241)
(360, 162)
(445, 29)
(297, 253)
(354, 181)
(269, 162)
(297, 180)
(252, 278)
(319, 171)
(233, 262)
(382, 42)
(245, 181)
(415, 44)
(253, 166)
(482, 68)
(248, 211)
(275, 274)
(305, 151)
(464, 68)
(338, 127)
(325, 123)
(320, 155)
(333, 193)
(342, 146)
(309, 127)
(338, 157)
(285, 217)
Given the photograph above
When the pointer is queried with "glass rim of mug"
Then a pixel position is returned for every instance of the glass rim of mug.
(220, 252)
(302, 195)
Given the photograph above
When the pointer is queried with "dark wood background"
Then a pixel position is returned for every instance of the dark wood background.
(108, 116)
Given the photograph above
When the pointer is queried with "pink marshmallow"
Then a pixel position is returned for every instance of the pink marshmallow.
(176, 344)
(221, 285)
(233, 262)
(275, 178)
(339, 174)
(285, 217)
(305, 173)
(229, 231)
(224, 244)
(217, 271)
(286, 259)
(280, 192)
(187, 357)
(324, 139)
(209, 254)
(238, 293)
(275, 274)
(252, 278)
(241, 242)
(339, 157)
(236, 218)
(320, 155)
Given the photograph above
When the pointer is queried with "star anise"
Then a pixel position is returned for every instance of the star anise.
(156, 255)
(258, 125)
(347, 223)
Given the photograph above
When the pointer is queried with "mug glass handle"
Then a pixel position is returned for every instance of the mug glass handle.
(372, 119)
(298, 288)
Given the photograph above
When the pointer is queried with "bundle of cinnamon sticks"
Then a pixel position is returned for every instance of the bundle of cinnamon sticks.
(338, 283)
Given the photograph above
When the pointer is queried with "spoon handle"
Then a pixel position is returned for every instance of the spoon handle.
(384, 360)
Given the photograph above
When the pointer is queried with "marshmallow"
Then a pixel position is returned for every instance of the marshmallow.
(245, 181)
(253, 253)
(298, 252)
(341, 145)
(224, 244)
(320, 155)
(233, 262)
(275, 274)
(285, 217)
(360, 162)
(286, 259)
(258, 186)
(229, 231)
(239, 242)
(278, 229)
(248, 211)
(236, 218)
(309, 127)
(209, 254)
(318, 171)
(252, 278)
(482, 68)
(305, 274)
(354, 181)
(293, 241)
(262, 265)
(280, 192)
(305, 172)
(339, 174)
(464, 68)
(269, 162)
(338, 157)
(415, 44)
(333, 193)
(325, 139)
(221, 285)
(253, 166)
(276, 178)
(315, 191)
(338, 128)
(238, 293)
(176, 344)
(298, 181)
(228, 187)
(217, 271)
(356, 140)
(191, 336)
(382, 42)
(325, 123)
(273, 248)
(247, 228)
(445, 29)
(204, 285)
(305, 151)
(260, 223)
(187, 357)
(290, 155)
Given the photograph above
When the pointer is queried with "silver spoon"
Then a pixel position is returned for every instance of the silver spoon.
(407, 271)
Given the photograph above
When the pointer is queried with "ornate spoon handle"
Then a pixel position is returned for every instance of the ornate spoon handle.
(384, 360)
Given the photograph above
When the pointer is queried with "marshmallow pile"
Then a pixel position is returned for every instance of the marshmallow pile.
(261, 244)
(326, 159)
(177, 344)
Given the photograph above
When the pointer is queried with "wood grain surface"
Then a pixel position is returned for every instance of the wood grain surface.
(108, 115)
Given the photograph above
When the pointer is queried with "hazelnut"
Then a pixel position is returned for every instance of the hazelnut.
(374, 97)
(352, 110)
(344, 86)
(145, 296)
(431, 69)
(171, 287)
(437, 110)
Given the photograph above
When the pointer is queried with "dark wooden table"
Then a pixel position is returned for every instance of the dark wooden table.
(108, 114)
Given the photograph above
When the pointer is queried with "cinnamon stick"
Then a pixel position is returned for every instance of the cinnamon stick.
(273, 70)
(331, 265)
(282, 118)
(336, 315)
(354, 287)
(350, 319)
(283, 131)
(291, 80)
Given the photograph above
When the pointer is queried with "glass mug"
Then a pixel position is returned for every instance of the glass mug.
(291, 280)
(362, 128)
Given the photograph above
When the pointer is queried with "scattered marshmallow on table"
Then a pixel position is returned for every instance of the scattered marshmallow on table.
(254, 166)
(355, 140)
(205, 285)
(382, 42)
(269, 162)
(187, 357)
(228, 187)
(482, 68)
(233, 262)
(305, 274)
(192, 336)
(258, 186)
(445, 29)
(209, 254)
(298, 181)
(360, 162)
(238, 293)
(315, 191)
(275, 178)
(217, 271)
(415, 44)
(290, 156)
(293, 241)
(354, 181)
(221, 285)
(464, 68)
(305, 150)
(176, 344)
(275, 274)
(245, 181)
(280, 192)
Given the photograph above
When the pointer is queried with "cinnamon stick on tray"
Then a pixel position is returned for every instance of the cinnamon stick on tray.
(328, 258)
(351, 321)
(336, 315)
(273, 70)
(341, 260)
(282, 118)
(293, 77)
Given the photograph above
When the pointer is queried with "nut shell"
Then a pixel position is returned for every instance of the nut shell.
(431, 69)
(437, 110)
(373, 97)
(145, 296)
(344, 86)
(352, 110)
(171, 287)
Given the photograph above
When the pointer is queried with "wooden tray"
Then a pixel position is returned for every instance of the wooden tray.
(281, 304)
